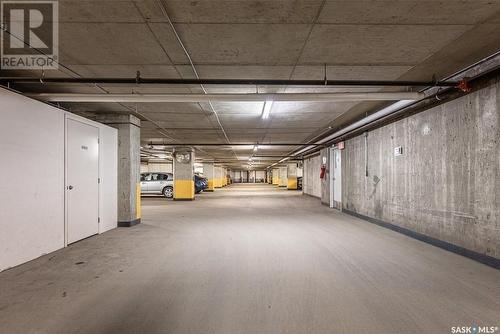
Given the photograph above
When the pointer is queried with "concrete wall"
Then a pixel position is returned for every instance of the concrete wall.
(260, 176)
(311, 183)
(447, 182)
(236, 176)
(153, 167)
(32, 185)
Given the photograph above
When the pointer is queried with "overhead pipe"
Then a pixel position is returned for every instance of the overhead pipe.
(373, 117)
(231, 144)
(252, 97)
(259, 82)
(430, 100)
(379, 114)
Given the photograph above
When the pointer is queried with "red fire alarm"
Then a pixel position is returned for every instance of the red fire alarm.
(322, 172)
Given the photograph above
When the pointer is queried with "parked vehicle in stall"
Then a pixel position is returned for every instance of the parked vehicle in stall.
(157, 184)
(200, 184)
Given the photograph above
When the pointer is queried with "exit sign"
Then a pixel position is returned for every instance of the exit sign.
(340, 145)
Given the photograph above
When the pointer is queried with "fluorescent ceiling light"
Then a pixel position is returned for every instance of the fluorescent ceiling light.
(266, 110)
(241, 147)
(255, 148)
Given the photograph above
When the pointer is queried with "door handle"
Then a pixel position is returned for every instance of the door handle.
(70, 187)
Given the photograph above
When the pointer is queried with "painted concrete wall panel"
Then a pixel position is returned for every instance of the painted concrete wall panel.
(32, 179)
(32, 187)
(108, 166)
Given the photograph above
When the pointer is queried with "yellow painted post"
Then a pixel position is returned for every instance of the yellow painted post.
(218, 177)
(183, 189)
(138, 210)
(292, 176)
(183, 174)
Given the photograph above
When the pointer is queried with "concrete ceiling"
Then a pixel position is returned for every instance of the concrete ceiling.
(266, 39)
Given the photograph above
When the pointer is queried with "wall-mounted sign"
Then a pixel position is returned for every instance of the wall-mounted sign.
(183, 157)
(398, 151)
(341, 145)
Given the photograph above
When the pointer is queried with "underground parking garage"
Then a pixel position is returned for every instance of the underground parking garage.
(307, 166)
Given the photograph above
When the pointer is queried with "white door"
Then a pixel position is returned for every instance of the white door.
(82, 173)
(337, 178)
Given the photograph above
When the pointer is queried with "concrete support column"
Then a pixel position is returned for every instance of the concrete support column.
(218, 177)
(276, 176)
(183, 174)
(129, 164)
(283, 177)
(292, 176)
(209, 173)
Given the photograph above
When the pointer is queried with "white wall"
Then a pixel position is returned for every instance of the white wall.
(32, 179)
(32, 185)
(108, 188)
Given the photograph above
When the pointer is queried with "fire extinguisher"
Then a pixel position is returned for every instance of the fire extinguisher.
(322, 172)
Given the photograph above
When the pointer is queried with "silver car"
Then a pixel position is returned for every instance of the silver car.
(157, 184)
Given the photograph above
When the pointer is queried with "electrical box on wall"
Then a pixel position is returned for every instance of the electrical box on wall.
(398, 151)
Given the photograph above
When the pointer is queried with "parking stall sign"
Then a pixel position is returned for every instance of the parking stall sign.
(29, 37)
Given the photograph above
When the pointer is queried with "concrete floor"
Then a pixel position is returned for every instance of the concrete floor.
(248, 259)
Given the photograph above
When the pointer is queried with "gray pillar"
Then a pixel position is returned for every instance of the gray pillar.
(218, 177)
(283, 177)
(292, 176)
(276, 176)
(129, 162)
(184, 174)
(209, 173)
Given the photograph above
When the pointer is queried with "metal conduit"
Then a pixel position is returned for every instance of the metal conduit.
(253, 82)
